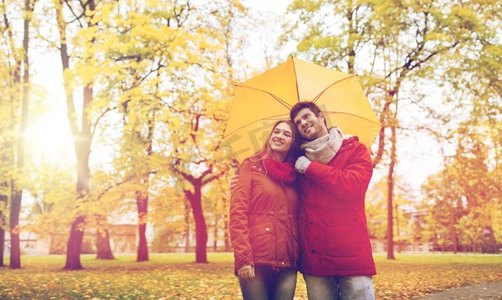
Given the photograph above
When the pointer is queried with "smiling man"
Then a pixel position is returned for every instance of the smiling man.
(336, 258)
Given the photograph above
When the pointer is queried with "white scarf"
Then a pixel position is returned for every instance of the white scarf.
(324, 148)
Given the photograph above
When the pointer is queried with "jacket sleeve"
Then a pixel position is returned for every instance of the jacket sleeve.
(351, 181)
(239, 230)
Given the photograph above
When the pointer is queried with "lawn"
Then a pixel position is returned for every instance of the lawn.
(175, 276)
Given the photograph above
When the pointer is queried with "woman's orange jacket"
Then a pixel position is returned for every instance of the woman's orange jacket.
(263, 217)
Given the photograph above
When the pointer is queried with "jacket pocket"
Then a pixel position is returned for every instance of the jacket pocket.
(261, 238)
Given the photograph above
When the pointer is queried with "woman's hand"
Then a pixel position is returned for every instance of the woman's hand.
(246, 272)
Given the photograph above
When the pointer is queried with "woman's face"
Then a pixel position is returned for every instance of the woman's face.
(281, 138)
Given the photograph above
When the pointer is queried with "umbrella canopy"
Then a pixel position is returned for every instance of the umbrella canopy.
(262, 100)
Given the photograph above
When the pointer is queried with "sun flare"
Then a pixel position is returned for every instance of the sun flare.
(48, 137)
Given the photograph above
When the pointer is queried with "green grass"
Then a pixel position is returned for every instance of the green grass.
(175, 276)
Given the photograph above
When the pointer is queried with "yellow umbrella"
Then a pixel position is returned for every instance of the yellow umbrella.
(268, 97)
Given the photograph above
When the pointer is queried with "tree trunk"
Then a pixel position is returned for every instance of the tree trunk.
(55, 246)
(82, 150)
(195, 199)
(15, 207)
(398, 235)
(215, 236)
(390, 195)
(4, 199)
(2, 247)
(215, 229)
(103, 247)
(3, 205)
(455, 239)
(200, 234)
(200, 224)
(187, 228)
(81, 138)
(226, 236)
(15, 247)
(74, 244)
(142, 205)
(142, 199)
(2, 231)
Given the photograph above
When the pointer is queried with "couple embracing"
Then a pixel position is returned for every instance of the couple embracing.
(298, 204)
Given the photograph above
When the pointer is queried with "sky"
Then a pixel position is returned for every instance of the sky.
(275, 6)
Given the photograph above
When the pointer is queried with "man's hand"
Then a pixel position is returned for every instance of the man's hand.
(246, 272)
(233, 182)
(301, 164)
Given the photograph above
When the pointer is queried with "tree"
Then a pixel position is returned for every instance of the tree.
(167, 215)
(464, 194)
(8, 75)
(19, 72)
(219, 193)
(203, 161)
(375, 209)
(472, 168)
(405, 212)
(5, 152)
(82, 135)
(140, 141)
(81, 143)
(447, 208)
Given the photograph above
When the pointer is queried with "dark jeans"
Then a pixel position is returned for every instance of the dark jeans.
(269, 284)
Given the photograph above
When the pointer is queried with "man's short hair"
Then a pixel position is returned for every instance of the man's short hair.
(301, 105)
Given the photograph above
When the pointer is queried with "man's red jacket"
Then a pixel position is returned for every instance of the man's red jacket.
(333, 230)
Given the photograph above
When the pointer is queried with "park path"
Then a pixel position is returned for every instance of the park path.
(484, 291)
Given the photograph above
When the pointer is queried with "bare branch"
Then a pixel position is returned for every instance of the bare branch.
(77, 17)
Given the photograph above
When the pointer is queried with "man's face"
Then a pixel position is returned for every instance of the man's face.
(309, 125)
